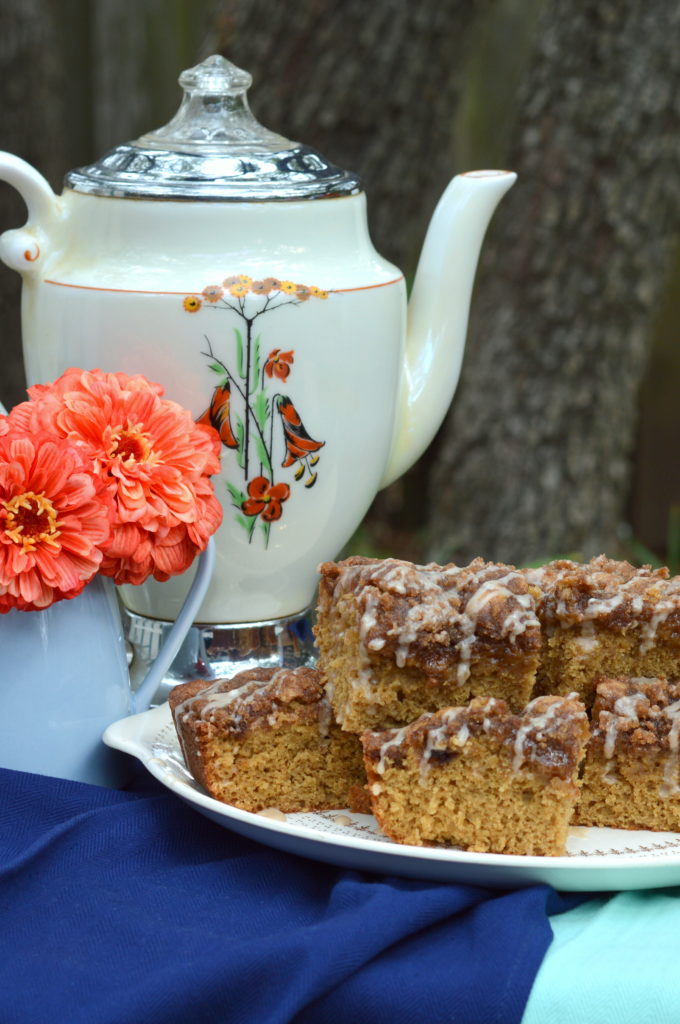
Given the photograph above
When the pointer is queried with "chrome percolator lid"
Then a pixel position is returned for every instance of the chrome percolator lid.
(213, 148)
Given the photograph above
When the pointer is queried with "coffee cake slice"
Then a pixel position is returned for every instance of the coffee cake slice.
(604, 617)
(397, 639)
(266, 739)
(480, 777)
(631, 777)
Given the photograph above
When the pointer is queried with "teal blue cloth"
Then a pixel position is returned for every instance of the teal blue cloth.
(612, 959)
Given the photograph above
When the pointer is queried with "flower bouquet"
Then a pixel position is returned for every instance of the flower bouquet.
(102, 480)
(100, 474)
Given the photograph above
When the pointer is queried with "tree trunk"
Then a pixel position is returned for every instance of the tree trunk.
(534, 461)
(31, 71)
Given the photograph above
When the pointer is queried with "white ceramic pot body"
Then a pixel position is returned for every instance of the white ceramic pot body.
(312, 373)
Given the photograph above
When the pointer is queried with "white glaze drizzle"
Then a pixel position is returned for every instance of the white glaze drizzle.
(643, 589)
(442, 738)
(536, 725)
(626, 708)
(587, 642)
(650, 629)
(670, 786)
(394, 741)
(438, 610)
(325, 718)
(215, 699)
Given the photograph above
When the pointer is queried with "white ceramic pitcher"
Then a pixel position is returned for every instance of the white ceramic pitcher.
(64, 679)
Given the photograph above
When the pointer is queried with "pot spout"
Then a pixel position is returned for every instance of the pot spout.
(438, 311)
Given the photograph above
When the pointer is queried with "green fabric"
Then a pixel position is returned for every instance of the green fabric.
(612, 959)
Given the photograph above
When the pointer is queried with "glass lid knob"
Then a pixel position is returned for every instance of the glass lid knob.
(215, 113)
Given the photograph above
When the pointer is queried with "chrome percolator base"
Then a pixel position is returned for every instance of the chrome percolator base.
(218, 651)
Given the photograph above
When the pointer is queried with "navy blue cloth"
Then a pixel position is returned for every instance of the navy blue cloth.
(130, 907)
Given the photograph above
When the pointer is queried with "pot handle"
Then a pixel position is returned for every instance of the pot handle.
(165, 657)
(24, 249)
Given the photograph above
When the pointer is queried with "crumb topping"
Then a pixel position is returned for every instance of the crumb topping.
(430, 615)
(548, 736)
(635, 716)
(252, 699)
(608, 593)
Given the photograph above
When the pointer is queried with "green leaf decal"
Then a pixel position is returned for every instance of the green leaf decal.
(263, 456)
(261, 409)
(240, 360)
(256, 360)
(237, 495)
(240, 435)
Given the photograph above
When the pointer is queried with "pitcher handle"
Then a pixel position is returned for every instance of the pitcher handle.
(24, 249)
(165, 657)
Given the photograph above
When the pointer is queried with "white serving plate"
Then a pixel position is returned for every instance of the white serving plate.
(597, 859)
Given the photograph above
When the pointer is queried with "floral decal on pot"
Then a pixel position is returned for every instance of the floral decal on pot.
(272, 448)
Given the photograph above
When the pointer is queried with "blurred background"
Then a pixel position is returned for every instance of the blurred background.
(563, 435)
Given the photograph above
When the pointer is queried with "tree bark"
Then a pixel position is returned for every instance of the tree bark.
(535, 458)
(31, 73)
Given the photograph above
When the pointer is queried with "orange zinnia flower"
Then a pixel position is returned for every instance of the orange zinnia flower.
(278, 363)
(217, 415)
(298, 442)
(152, 457)
(55, 516)
(265, 499)
(192, 303)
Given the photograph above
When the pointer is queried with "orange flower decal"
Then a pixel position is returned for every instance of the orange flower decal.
(213, 293)
(264, 499)
(299, 445)
(278, 364)
(192, 303)
(239, 290)
(217, 415)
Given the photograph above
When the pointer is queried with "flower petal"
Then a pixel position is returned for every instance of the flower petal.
(258, 487)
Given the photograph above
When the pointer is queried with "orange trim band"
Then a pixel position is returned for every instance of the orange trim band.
(366, 287)
(144, 291)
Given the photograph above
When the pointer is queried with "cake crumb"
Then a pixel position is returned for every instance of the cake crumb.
(274, 813)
